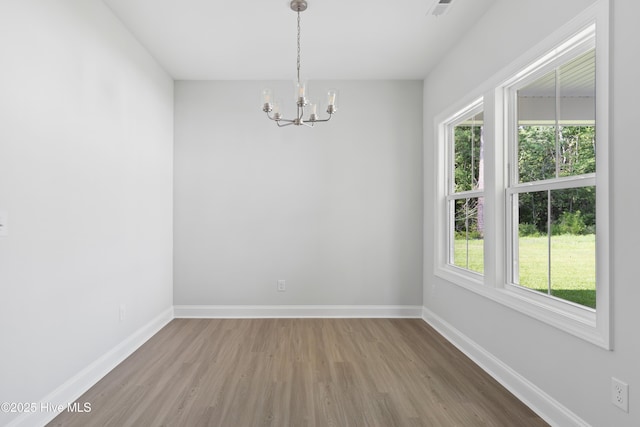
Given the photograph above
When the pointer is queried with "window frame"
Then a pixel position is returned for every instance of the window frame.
(494, 95)
(448, 128)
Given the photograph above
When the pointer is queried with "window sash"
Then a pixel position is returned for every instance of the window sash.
(563, 183)
(448, 126)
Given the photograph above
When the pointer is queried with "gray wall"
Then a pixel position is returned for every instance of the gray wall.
(86, 132)
(335, 210)
(572, 371)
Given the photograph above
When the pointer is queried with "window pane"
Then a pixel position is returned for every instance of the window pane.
(560, 261)
(556, 122)
(573, 245)
(576, 90)
(532, 268)
(536, 153)
(576, 85)
(577, 150)
(468, 156)
(468, 243)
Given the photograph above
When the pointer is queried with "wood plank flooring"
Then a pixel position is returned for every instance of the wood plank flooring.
(298, 372)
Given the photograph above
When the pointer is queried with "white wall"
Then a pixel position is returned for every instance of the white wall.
(86, 130)
(573, 372)
(335, 210)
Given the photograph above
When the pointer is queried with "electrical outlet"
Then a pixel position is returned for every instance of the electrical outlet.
(620, 394)
(123, 312)
(282, 285)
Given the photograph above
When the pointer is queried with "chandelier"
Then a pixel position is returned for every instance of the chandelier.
(272, 107)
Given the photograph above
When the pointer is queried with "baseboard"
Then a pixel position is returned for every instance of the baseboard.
(295, 311)
(71, 390)
(540, 402)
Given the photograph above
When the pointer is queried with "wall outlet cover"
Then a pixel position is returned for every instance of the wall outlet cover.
(620, 394)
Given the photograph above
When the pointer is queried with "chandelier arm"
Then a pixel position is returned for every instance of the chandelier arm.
(289, 123)
(271, 117)
(280, 119)
(323, 120)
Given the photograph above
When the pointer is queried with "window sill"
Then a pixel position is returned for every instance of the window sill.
(571, 318)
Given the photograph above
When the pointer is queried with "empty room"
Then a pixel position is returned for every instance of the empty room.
(319, 213)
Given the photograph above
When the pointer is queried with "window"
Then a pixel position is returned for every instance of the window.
(551, 195)
(465, 185)
(522, 183)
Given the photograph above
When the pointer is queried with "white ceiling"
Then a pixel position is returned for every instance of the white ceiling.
(256, 39)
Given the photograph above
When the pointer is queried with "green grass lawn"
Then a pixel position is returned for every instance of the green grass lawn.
(573, 269)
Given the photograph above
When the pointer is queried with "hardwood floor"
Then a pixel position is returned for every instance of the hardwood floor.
(298, 372)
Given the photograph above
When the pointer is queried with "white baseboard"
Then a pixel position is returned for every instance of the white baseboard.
(289, 311)
(71, 390)
(540, 402)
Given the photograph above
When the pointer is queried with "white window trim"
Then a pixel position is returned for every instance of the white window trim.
(588, 324)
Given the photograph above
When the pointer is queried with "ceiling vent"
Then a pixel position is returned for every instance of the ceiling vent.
(441, 7)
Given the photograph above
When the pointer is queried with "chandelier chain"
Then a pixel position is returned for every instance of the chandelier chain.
(298, 63)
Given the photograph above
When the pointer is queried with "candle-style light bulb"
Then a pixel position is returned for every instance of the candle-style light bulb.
(314, 112)
(267, 95)
(301, 93)
(332, 101)
(267, 100)
(276, 110)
